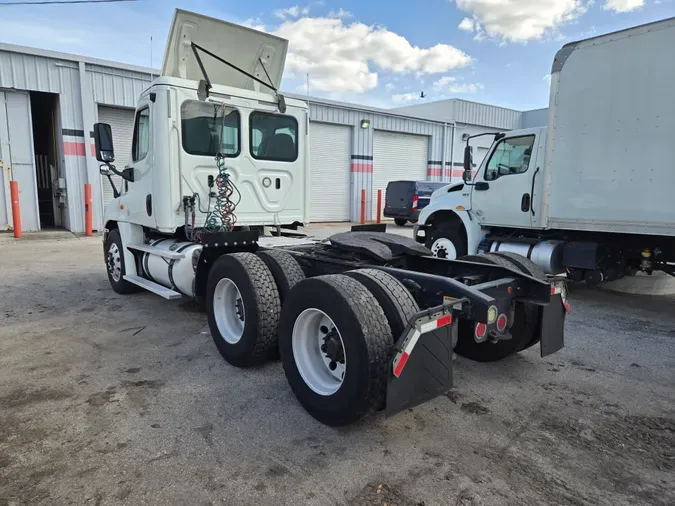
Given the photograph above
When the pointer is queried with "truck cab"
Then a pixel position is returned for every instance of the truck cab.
(504, 191)
(207, 105)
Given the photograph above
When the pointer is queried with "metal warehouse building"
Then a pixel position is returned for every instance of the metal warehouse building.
(49, 102)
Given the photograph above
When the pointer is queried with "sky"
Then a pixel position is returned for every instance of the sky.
(382, 53)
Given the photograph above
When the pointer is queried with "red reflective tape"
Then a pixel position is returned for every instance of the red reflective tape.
(567, 307)
(442, 322)
(401, 364)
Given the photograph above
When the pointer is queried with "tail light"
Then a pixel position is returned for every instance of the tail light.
(414, 204)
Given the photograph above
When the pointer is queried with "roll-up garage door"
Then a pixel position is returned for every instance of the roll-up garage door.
(122, 123)
(396, 157)
(330, 159)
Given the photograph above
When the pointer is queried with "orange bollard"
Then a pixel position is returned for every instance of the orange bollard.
(363, 206)
(16, 213)
(87, 210)
(379, 206)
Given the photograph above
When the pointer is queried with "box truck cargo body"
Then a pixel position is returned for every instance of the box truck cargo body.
(590, 194)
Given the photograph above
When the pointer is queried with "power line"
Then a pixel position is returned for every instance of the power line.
(50, 2)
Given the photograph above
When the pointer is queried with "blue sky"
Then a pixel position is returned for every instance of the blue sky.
(380, 53)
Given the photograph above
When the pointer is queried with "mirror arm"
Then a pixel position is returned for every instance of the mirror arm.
(116, 192)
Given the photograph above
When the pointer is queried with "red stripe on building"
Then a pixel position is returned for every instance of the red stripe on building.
(93, 150)
(74, 148)
(433, 171)
(364, 167)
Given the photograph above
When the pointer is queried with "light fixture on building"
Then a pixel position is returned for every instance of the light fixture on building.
(365, 123)
(465, 137)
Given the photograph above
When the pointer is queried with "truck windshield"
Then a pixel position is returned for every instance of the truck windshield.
(209, 128)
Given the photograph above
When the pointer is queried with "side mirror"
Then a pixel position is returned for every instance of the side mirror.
(468, 158)
(104, 170)
(467, 176)
(104, 143)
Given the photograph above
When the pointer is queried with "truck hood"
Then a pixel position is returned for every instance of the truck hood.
(236, 44)
(452, 187)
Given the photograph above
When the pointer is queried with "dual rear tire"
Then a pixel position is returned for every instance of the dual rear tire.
(335, 333)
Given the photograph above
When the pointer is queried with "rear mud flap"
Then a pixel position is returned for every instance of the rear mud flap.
(427, 374)
(553, 326)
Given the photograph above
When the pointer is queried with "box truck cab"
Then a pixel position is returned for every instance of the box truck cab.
(205, 106)
(590, 195)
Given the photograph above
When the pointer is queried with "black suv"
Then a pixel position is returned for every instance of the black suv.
(405, 199)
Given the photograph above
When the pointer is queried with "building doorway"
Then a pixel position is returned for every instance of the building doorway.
(48, 176)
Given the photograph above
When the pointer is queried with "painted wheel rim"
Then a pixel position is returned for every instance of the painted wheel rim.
(444, 248)
(228, 311)
(115, 262)
(319, 352)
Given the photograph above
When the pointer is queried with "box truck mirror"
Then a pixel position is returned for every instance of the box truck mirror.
(104, 143)
(468, 158)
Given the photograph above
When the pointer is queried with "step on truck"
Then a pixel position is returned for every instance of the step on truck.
(590, 194)
(361, 322)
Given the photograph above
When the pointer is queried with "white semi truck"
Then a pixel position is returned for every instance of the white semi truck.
(590, 195)
(217, 155)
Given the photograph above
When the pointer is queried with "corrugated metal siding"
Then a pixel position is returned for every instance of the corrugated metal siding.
(111, 86)
(486, 115)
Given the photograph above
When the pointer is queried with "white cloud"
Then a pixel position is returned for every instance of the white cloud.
(519, 20)
(405, 97)
(340, 13)
(622, 5)
(292, 12)
(255, 23)
(389, 86)
(467, 25)
(448, 84)
(338, 56)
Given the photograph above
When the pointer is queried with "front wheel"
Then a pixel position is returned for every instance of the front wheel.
(446, 239)
(400, 222)
(114, 262)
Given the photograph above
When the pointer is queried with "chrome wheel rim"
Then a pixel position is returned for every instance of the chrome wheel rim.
(228, 311)
(115, 262)
(444, 248)
(319, 352)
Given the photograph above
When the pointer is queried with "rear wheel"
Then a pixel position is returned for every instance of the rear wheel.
(397, 302)
(336, 347)
(114, 262)
(284, 268)
(522, 330)
(446, 239)
(400, 222)
(242, 305)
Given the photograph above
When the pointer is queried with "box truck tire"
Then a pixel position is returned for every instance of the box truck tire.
(446, 239)
(242, 305)
(335, 345)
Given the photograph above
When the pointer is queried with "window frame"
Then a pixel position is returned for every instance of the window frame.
(182, 137)
(250, 136)
(492, 154)
(134, 142)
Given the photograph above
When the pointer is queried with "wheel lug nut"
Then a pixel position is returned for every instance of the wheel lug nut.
(332, 366)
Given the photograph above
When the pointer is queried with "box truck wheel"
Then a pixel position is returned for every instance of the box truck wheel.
(446, 238)
(397, 302)
(114, 262)
(336, 348)
(400, 222)
(522, 330)
(242, 305)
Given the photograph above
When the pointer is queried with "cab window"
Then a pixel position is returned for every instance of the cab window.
(510, 156)
(209, 128)
(141, 139)
(274, 137)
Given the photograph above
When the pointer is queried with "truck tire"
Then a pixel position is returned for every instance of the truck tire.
(397, 302)
(242, 305)
(285, 270)
(523, 328)
(113, 251)
(345, 378)
(446, 240)
(400, 222)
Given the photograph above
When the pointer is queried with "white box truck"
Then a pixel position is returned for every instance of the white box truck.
(218, 153)
(591, 194)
